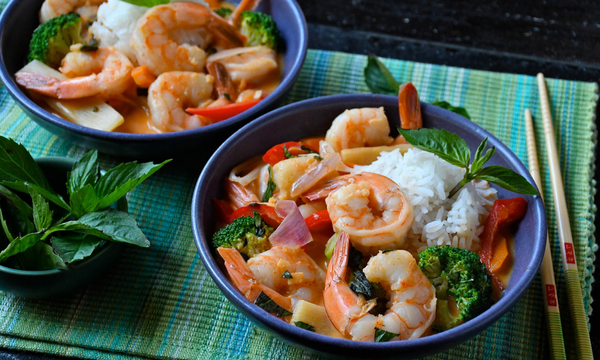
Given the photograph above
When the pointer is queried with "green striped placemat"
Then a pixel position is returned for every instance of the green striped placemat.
(161, 303)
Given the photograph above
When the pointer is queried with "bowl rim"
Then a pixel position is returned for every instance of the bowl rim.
(315, 341)
(24, 101)
(107, 246)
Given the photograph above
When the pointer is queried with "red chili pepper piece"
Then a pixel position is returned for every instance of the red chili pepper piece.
(219, 113)
(504, 213)
(409, 107)
(277, 154)
(267, 213)
(319, 221)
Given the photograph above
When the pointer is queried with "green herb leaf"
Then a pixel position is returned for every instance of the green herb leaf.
(387, 251)
(455, 109)
(384, 336)
(18, 223)
(226, 96)
(507, 179)
(16, 164)
(75, 247)
(330, 246)
(84, 200)
(49, 195)
(264, 302)
(448, 146)
(378, 78)
(84, 172)
(308, 150)
(270, 187)
(287, 275)
(305, 326)
(19, 245)
(42, 215)
(287, 153)
(5, 227)
(16, 201)
(40, 257)
(355, 257)
(91, 46)
(111, 225)
(118, 181)
(147, 3)
(479, 160)
(361, 285)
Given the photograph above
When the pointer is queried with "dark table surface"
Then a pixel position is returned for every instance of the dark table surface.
(559, 38)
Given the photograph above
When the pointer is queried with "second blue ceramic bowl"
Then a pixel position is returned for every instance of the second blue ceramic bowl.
(313, 118)
(20, 18)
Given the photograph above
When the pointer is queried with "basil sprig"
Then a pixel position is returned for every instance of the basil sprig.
(384, 336)
(48, 232)
(451, 148)
(270, 187)
(380, 81)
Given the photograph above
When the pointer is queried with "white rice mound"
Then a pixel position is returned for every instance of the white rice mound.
(426, 180)
(115, 22)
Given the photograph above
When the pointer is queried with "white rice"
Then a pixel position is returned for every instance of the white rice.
(426, 180)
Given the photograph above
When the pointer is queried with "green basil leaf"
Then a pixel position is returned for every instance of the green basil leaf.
(147, 3)
(455, 109)
(264, 302)
(118, 181)
(16, 201)
(479, 162)
(308, 150)
(18, 222)
(361, 285)
(355, 257)
(49, 195)
(84, 172)
(16, 164)
(122, 204)
(111, 225)
(270, 187)
(42, 215)
(378, 78)
(84, 201)
(19, 245)
(286, 152)
(287, 275)
(448, 146)
(507, 179)
(384, 336)
(305, 326)
(5, 228)
(40, 257)
(479, 150)
(75, 247)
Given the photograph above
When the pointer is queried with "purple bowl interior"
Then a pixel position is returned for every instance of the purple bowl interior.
(20, 18)
(313, 118)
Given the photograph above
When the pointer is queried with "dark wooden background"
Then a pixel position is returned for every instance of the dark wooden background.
(559, 38)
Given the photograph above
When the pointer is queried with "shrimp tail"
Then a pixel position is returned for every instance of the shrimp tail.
(245, 281)
(66, 89)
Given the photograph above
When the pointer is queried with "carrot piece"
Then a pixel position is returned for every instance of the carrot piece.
(142, 76)
(499, 255)
(219, 113)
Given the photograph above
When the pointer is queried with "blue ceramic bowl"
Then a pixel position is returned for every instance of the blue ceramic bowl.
(20, 18)
(313, 118)
(52, 283)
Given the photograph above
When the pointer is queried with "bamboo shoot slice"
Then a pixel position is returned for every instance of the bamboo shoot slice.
(366, 155)
(90, 112)
(315, 316)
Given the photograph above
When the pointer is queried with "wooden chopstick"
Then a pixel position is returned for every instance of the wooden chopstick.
(555, 334)
(578, 313)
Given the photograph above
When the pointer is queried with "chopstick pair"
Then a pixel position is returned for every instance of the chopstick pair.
(578, 314)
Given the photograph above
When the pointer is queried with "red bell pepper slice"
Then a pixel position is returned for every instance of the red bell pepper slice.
(277, 154)
(219, 113)
(267, 213)
(504, 213)
(319, 221)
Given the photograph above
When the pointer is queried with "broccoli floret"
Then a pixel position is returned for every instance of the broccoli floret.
(260, 29)
(462, 282)
(51, 40)
(223, 12)
(249, 235)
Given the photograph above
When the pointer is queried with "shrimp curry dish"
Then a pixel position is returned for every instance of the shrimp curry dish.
(115, 66)
(363, 236)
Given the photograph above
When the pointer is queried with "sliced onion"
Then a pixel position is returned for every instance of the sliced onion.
(325, 150)
(249, 177)
(315, 174)
(293, 231)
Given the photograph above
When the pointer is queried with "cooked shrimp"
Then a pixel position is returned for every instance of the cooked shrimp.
(246, 282)
(54, 8)
(246, 63)
(307, 280)
(239, 195)
(171, 93)
(105, 72)
(174, 36)
(412, 302)
(286, 172)
(359, 128)
(372, 210)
